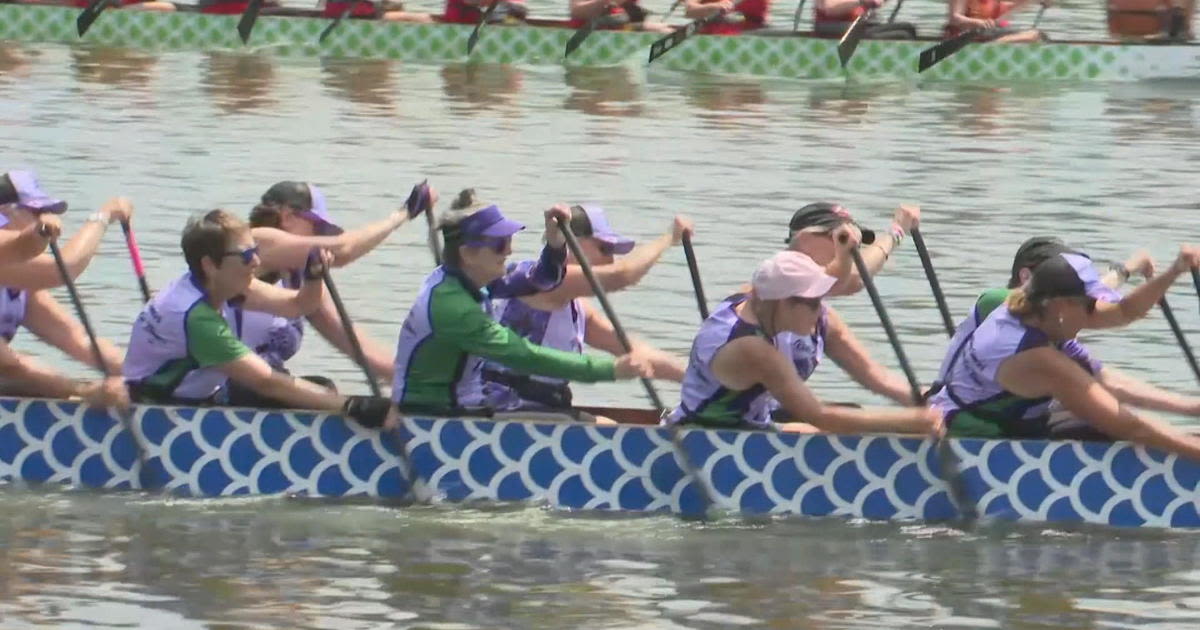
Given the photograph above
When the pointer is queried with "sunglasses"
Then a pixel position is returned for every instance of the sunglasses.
(247, 254)
(813, 303)
(498, 244)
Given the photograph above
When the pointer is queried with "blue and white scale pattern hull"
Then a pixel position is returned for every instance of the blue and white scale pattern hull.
(225, 452)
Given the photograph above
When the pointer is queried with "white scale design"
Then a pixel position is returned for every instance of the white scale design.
(224, 451)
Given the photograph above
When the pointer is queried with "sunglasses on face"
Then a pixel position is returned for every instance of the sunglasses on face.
(498, 244)
(247, 255)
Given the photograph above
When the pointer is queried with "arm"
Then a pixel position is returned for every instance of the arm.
(41, 272)
(531, 277)
(253, 372)
(289, 303)
(327, 322)
(877, 253)
(749, 360)
(1139, 262)
(621, 274)
(20, 246)
(588, 9)
(47, 319)
(839, 8)
(1133, 392)
(1047, 372)
(281, 250)
(36, 379)
(696, 9)
(1141, 299)
(844, 348)
(600, 334)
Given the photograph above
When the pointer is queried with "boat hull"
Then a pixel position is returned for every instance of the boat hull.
(228, 452)
(767, 56)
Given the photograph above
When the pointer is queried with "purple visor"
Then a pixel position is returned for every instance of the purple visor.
(30, 195)
(319, 214)
(603, 232)
(488, 222)
(1091, 280)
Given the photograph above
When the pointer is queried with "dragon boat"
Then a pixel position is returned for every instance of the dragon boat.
(295, 33)
(219, 452)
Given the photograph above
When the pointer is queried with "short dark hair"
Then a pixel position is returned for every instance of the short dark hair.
(1033, 252)
(208, 236)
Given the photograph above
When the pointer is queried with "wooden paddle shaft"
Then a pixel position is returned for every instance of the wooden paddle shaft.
(351, 336)
(886, 321)
(694, 269)
(934, 285)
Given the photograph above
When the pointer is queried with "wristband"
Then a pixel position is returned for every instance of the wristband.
(897, 233)
(100, 217)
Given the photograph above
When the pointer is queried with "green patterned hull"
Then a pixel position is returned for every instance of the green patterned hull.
(768, 56)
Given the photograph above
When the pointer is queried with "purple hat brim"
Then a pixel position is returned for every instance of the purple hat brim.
(1092, 285)
(618, 244)
(44, 204)
(503, 228)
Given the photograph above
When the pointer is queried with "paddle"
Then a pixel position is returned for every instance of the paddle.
(935, 54)
(675, 5)
(666, 43)
(582, 33)
(1196, 280)
(896, 11)
(122, 417)
(938, 296)
(948, 462)
(483, 18)
(694, 269)
(651, 392)
(420, 195)
(338, 20)
(799, 13)
(135, 256)
(1183, 344)
(249, 17)
(853, 35)
(89, 14)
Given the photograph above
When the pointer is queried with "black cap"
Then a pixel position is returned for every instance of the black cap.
(1055, 277)
(1034, 252)
(293, 194)
(825, 217)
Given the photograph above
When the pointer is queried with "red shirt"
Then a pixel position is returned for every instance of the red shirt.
(754, 12)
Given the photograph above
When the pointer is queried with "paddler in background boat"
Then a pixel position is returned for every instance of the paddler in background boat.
(1060, 423)
(965, 15)
(741, 360)
(471, 11)
(1002, 377)
(144, 5)
(1151, 20)
(290, 221)
(25, 299)
(386, 10)
(563, 319)
(739, 17)
(450, 331)
(618, 15)
(182, 349)
(831, 18)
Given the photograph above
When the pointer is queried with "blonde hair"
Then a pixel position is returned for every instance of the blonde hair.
(1020, 304)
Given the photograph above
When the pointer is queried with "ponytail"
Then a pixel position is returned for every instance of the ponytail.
(266, 215)
(1020, 304)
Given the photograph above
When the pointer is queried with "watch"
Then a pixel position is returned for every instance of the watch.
(1121, 270)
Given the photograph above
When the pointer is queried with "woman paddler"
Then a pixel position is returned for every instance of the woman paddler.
(26, 301)
(831, 18)
(741, 361)
(619, 15)
(182, 349)
(471, 11)
(736, 17)
(289, 222)
(987, 15)
(563, 319)
(386, 10)
(450, 331)
(1002, 378)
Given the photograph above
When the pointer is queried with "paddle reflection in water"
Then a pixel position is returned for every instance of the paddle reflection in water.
(612, 91)
(14, 62)
(126, 68)
(480, 86)
(239, 82)
(366, 82)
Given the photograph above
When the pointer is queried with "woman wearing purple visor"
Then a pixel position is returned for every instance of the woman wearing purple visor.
(450, 332)
(564, 320)
(1000, 380)
(290, 221)
(25, 299)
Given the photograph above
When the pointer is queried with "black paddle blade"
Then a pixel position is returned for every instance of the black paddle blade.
(580, 34)
(89, 15)
(849, 42)
(934, 54)
(249, 17)
(474, 38)
(666, 43)
(338, 20)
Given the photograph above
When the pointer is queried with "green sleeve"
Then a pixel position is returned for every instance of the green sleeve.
(209, 340)
(989, 301)
(460, 321)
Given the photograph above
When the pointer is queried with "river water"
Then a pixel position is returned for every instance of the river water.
(1106, 166)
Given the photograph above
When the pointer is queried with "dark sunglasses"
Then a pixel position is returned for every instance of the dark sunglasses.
(496, 243)
(247, 254)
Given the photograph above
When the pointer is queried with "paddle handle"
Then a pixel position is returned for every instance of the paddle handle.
(896, 11)
(886, 321)
(1183, 344)
(1196, 280)
(934, 285)
(799, 14)
(79, 310)
(694, 269)
(1038, 18)
(602, 297)
(135, 257)
(348, 328)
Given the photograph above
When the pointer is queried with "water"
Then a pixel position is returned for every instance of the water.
(1105, 166)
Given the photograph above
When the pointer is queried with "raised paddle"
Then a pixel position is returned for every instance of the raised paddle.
(934, 285)
(338, 20)
(89, 14)
(853, 35)
(1196, 280)
(694, 269)
(97, 356)
(935, 54)
(946, 458)
(582, 33)
(651, 392)
(896, 11)
(249, 17)
(675, 5)
(135, 256)
(1183, 343)
(664, 44)
(483, 18)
